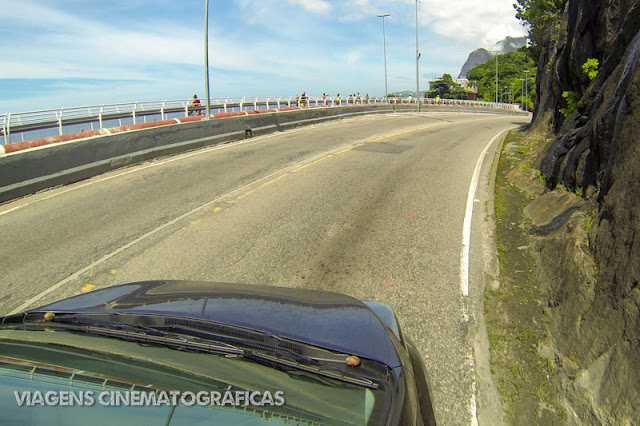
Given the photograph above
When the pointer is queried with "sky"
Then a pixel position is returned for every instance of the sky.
(66, 53)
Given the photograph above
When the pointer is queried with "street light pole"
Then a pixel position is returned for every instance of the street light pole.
(417, 62)
(497, 54)
(384, 44)
(522, 93)
(206, 57)
(526, 89)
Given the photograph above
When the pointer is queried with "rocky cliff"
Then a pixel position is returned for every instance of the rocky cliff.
(477, 57)
(594, 299)
(482, 55)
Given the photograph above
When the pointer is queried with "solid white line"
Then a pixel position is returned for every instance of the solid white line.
(464, 262)
(108, 256)
(466, 226)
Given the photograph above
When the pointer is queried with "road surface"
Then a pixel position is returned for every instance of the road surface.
(372, 206)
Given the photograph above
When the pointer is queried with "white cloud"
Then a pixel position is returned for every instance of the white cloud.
(484, 22)
(479, 23)
(261, 47)
(314, 6)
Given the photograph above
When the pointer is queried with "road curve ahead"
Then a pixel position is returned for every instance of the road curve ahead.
(372, 206)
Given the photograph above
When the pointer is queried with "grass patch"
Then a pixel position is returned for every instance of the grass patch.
(516, 323)
(588, 223)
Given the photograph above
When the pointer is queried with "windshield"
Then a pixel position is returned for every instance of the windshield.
(67, 378)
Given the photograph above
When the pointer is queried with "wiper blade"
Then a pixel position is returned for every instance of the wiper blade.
(165, 339)
(136, 333)
(206, 337)
(333, 373)
(99, 322)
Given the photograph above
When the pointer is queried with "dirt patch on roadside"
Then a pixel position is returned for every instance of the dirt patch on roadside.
(516, 313)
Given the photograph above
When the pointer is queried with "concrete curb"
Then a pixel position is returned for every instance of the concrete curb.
(490, 410)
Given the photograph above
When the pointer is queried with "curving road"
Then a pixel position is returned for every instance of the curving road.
(372, 206)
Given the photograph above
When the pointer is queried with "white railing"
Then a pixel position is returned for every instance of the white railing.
(20, 126)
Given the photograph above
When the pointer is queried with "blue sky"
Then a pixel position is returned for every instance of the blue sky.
(63, 53)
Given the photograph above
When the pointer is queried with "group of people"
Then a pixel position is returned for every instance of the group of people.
(354, 98)
(303, 100)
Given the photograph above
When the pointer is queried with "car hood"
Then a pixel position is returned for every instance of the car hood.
(326, 319)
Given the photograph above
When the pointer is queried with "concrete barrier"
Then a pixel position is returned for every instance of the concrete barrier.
(60, 162)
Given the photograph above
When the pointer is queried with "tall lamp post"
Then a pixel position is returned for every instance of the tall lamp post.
(417, 62)
(497, 77)
(526, 90)
(522, 93)
(206, 57)
(384, 44)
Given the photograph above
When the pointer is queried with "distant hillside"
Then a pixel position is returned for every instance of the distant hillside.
(480, 56)
(407, 93)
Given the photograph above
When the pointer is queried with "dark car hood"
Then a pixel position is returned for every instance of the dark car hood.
(331, 320)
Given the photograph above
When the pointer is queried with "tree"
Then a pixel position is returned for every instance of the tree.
(445, 87)
(542, 17)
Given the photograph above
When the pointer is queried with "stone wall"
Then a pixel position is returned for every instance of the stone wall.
(595, 153)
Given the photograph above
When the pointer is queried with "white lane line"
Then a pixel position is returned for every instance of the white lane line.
(464, 267)
(466, 226)
(108, 256)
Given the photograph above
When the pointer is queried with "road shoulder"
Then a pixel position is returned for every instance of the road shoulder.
(516, 318)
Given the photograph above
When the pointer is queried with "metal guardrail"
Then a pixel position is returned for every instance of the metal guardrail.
(21, 126)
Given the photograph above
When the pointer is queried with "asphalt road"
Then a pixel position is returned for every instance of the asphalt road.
(372, 206)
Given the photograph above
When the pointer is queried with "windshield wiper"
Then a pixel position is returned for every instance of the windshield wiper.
(136, 333)
(212, 338)
(331, 373)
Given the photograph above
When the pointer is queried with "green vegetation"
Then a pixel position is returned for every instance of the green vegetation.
(588, 222)
(542, 18)
(446, 88)
(517, 324)
(572, 99)
(591, 68)
(511, 67)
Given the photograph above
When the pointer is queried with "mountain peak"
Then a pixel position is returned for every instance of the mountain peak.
(482, 55)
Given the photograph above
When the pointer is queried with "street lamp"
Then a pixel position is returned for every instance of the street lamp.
(496, 51)
(206, 56)
(417, 62)
(384, 44)
(522, 93)
(526, 89)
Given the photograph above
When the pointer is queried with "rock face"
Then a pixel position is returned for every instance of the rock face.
(480, 56)
(596, 323)
(477, 57)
